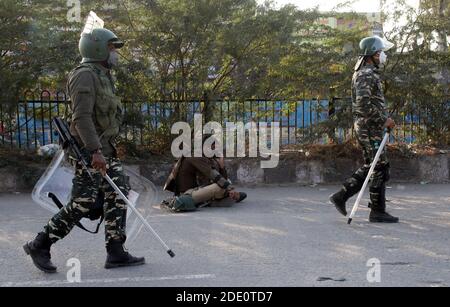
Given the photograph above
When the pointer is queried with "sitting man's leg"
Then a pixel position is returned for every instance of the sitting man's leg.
(200, 197)
(193, 198)
(208, 194)
(220, 197)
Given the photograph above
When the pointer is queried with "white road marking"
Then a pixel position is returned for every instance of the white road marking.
(38, 283)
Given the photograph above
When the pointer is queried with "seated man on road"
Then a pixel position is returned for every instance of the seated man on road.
(199, 182)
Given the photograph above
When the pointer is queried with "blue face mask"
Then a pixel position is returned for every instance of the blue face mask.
(113, 59)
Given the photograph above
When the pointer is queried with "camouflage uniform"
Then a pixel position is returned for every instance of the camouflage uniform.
(84, 195)
(370, 116)
(95, 121)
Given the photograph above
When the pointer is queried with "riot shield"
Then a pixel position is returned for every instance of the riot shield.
(57, 181)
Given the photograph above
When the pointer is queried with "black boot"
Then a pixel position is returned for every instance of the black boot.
(351, 186)
(339, 199)
(377, 205)
(119, 257)
(382, 217)
(39, 250)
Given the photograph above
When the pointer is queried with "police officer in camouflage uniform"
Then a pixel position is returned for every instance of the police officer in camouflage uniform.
(96, 117)
(199, 182)
(370, 121)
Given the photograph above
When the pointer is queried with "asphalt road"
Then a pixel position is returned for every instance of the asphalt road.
(279, 236)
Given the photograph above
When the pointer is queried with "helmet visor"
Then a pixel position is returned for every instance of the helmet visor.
(116, 43)
(387, 44)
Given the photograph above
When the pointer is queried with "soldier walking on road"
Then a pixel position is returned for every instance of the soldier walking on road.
(370, 121)
(95, 121)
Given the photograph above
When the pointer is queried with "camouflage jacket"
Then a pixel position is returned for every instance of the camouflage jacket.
(367, 96)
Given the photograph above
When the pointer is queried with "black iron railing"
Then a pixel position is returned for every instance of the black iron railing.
(28, 123)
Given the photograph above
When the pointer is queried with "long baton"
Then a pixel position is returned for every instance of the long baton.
(369, 174)
(69, 141)
(143, 220)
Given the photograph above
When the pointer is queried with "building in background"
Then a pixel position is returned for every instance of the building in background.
(373, 24)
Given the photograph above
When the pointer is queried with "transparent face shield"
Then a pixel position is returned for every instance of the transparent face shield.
(387, 44)
(57, 181)
(92, 22)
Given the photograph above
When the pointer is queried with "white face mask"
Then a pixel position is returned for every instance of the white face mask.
(383, 58)
(113, 59)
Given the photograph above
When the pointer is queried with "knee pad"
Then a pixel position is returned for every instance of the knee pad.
(351, 184)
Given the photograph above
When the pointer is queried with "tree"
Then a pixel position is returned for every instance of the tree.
(15, 72)
(417, 73)
(204, 50)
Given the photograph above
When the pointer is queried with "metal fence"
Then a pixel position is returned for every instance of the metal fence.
(28, 124)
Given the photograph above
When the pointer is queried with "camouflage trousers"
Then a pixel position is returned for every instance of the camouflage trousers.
(83, 198)
(369, 138)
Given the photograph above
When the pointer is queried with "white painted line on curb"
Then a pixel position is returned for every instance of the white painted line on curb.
(38, 283)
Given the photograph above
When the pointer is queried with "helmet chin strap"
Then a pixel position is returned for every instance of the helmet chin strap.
(105, 64)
